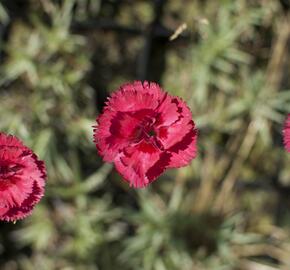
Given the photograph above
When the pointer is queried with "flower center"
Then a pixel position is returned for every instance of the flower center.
(151, 133)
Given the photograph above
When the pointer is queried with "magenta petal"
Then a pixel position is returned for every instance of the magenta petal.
(133, 165)
(108, 134)
(185, 150)
(159, 167)
(130, 100)
(172, 134)
(168, 112)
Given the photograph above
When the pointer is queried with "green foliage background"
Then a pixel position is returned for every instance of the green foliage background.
(224, 211)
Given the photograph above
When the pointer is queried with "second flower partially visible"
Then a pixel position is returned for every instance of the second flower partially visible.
(144, 131)
(22, 179)
(286, 133)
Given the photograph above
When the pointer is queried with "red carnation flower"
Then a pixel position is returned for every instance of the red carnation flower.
(22, 179)
(286, 133)
(144, 131)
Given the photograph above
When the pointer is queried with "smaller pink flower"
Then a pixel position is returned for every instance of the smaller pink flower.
(144, 131)
(286, 134)
(22, 179)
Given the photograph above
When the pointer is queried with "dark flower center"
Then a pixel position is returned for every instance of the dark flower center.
(147, 128)
(151, 133)
(147, 132)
